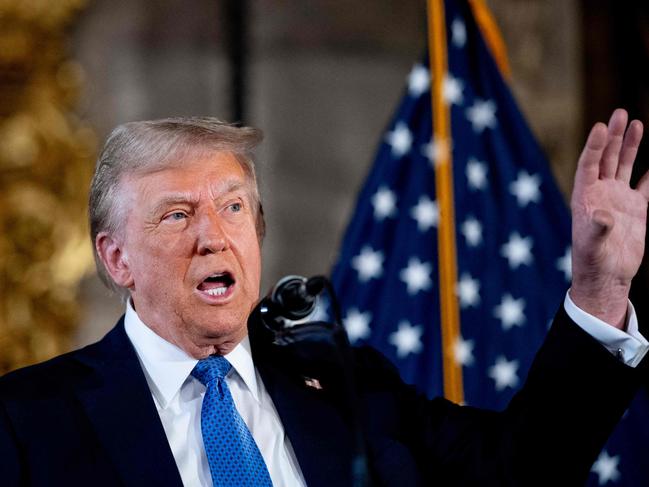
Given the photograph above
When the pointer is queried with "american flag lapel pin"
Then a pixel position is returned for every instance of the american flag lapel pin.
(313, 383)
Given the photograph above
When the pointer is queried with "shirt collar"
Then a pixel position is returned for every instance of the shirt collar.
(167, 366)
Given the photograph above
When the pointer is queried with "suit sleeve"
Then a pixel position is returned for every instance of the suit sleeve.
(550, 433)
(10, 465)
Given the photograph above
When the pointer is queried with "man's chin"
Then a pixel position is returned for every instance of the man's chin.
(215, 330)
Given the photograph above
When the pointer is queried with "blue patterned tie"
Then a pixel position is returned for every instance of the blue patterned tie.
(231, 450)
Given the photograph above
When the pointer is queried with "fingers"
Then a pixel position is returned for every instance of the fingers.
(589, 160)
(611, 155)
(609, 151)
(629, 151)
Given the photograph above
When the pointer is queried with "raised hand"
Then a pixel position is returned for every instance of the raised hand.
(608, 220)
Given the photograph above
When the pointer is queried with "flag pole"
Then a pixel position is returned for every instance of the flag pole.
(447, 261)
(492, 36)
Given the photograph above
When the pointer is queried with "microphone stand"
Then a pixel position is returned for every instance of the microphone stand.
(305, 341)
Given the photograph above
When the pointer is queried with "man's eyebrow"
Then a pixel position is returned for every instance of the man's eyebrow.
(221, 189)
(174, 199)
(229, 186)
(224, 189)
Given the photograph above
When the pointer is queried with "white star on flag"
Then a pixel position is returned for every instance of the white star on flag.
(526, 188)
(503, 372)
(468, 290)
(368, 263)
(472, 231)
(517, 250)
(606, 468)
(400, 139)
(416, 275)
(434, 151)
(407, 339)
(384, 202)
(564, 264)
(463, 351)
(482, 114)
(510, 312)
(426, 213)
(357, 325)
(418, 80)
(452, 90)
(458, 33)
(476, 174)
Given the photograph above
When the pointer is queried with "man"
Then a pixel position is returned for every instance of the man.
(176, 224)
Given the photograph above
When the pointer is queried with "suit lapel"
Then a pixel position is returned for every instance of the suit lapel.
(118, 403)
(319, 436)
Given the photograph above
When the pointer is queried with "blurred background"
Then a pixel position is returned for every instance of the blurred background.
(320, 77)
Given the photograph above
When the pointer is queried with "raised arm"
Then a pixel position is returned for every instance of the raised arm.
(609, 219)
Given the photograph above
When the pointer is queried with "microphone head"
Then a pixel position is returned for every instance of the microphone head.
(293, 300)
(293, 297)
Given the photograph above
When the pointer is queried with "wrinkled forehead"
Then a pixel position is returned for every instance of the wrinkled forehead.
(219, 172)
(181, 156)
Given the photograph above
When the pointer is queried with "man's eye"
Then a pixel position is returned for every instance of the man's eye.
(235, 207)
(176, 215)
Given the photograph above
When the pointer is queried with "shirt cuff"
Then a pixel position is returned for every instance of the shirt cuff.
(630, 346)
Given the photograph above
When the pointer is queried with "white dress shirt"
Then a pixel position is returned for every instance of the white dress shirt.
(178, 396)
(629, 346)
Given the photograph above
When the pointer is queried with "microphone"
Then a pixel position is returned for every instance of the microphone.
(292, 300)
(281, 325)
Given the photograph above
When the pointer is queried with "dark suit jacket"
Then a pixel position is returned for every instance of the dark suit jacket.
(88, 418)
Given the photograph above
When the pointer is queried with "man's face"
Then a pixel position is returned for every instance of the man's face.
(192, 252)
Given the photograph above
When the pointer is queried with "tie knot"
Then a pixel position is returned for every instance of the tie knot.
(210, 368)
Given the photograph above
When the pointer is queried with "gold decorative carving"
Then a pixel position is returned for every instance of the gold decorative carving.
(46, 157)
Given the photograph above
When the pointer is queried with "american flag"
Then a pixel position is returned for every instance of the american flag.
(512, 244)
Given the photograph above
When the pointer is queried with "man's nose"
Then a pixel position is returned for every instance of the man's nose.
(211, 236)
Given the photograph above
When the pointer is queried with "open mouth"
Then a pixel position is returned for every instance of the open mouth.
(217, 284)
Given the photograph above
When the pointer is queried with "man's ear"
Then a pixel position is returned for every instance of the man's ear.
(114, 258)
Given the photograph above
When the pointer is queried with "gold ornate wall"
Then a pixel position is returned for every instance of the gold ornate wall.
(46, 157)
